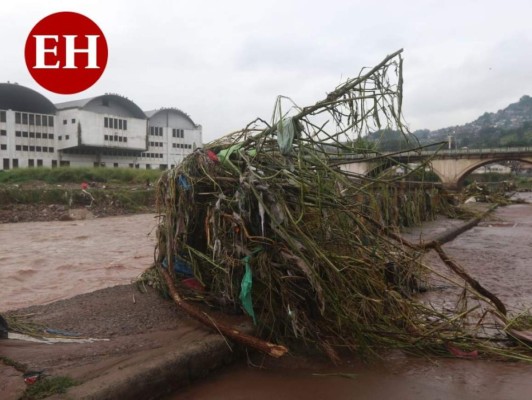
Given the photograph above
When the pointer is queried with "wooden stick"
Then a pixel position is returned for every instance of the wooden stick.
(271, 349)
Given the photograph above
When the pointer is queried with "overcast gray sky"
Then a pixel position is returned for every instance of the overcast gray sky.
(224, 62)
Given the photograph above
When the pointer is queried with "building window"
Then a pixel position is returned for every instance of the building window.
(148, 166)
(32, 134)
(178, 133)
(24, 148)
(32, 148)
(115, 123)
(45, 136)
(2, 116)
(24, 134)
(64, 122)
(60, 137)
(54, 163)
(39, 163)
(17, 118)
(38, 135)
(50, 121)
(125, 139)
(73, 120)
(3, 132)
(15, 162)
(24, 118)
(125, 124)
(50, 136)
(18, 147)
(64, 163)
(67, 137)
(105, 137)
(32, 119)
(18, 133)
(38, 148)
(115, 165)
(38, 120)
(31, 163)
(45, 149)
(50, 149)
(106, 122)
(3, 146)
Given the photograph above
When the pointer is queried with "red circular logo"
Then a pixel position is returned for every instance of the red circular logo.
(66, 52)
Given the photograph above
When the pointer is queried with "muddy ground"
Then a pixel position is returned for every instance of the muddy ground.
(132, 328)
(34, 201)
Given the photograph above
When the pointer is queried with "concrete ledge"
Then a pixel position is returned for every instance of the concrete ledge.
(155, 373)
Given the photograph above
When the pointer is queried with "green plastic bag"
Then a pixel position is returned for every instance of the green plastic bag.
(245, 290)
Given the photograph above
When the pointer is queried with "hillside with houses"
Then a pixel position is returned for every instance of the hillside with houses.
(509, 127)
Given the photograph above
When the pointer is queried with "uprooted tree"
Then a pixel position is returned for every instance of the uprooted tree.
(267, 221)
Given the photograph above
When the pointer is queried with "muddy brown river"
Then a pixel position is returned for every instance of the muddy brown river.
(47, 261)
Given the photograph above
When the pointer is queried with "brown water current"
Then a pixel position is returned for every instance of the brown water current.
(41, 262)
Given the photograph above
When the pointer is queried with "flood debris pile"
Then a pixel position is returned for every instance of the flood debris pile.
(482, 193)
(266, 221)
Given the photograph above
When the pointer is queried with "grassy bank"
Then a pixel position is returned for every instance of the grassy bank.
(78, 175)
(111, 191)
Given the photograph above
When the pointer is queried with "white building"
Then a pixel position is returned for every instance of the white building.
(171, 136)
(27, 128)
(107, 130)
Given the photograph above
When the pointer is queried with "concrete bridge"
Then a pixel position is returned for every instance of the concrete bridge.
(451, 166)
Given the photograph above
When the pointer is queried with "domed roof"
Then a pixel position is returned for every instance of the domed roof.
(20, 98)
(152, 113)
(108, 98)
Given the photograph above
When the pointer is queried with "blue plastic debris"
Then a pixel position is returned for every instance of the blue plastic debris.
(183, 182)
(180, 267)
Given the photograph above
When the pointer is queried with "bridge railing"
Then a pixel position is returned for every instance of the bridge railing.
(368, 156)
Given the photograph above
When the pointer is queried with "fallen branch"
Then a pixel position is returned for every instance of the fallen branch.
(271, 349)
(458, 270)
(436, 245)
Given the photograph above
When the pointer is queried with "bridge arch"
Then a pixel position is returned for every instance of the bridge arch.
(451, 167)
(481, 163)
(453, 172)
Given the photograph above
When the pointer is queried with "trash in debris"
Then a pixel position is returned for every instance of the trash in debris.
(30, 377)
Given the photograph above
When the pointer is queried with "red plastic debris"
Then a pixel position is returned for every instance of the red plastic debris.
(193, 283)
(212, 156)
(84, 186)
(462, 354)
